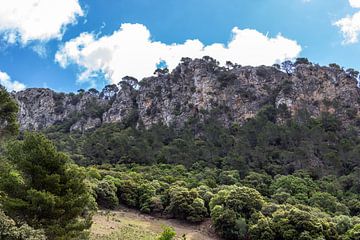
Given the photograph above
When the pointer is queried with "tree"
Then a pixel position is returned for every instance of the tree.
(51, 193)
(106, 194)
(228, 224)
(8, 114)
(301, 61)
(186, 204)
(167, 234)
(262, 229)
(128, 192)
(243, 200)
(229, 65)
(129, 81)
(259, 181)
(161, 72)
(335, 66)
(293, 185)
(93, 91)
(327, 203)
(185, 60)
(276, 66)
(231, 209)
(288, 67)
(148, 201)
(352, 73)
(109, 91)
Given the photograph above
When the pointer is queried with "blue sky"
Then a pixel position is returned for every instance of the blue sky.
(88, 43)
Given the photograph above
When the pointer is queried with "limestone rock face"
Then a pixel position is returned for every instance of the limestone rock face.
(123, 106)
(37, 109)
(85, 124)
(41, 108)
(322, 89)
(197, 89)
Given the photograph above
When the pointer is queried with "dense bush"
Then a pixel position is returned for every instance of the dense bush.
(292, 222)
(232, 208)
(106, 194)
(10, 231)
(186, 204)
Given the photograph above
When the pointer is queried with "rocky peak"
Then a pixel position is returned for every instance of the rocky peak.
(198, 88)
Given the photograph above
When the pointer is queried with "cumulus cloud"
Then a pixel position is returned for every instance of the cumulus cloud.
(36, 20)
(9, 84)
(354, 3)
(350, 28)
(350, 25)
(130, 51)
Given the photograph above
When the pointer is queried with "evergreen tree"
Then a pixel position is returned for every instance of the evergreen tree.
(49, 192)
(8, 114)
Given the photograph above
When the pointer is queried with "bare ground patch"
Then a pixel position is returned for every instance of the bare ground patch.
(127, 224)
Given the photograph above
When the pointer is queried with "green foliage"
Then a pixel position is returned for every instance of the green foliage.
(320, 146)
(237, 211)
(299, 189)
(232, 208)
(93, 109)
(259, 181)
(8, 114)
(49, 192)
(228, 224)
(106, 194)
(148, 199)
(59, 107)
(301, 61)
(127, 192)
(10, 231)
(353, 233)
(186, 204)
(167, 234)
(328, 203)
(290, 222)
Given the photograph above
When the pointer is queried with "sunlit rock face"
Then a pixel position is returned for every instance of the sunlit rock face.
(197, 89)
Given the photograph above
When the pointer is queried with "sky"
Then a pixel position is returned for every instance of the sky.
(66, 45)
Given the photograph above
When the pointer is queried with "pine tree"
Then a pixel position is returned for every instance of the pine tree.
(51, 193)
(8, 114)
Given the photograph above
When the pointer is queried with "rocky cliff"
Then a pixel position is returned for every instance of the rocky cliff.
(197, 88)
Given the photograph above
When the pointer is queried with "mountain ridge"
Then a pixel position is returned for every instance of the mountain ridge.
(197, 88)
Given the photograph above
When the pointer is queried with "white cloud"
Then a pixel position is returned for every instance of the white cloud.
(350, 25)
(10, 85)
(354, 3)
(30, 20)
(350, 28)
(130, 51)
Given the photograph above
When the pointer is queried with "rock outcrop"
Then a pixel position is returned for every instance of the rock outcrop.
(197, 88)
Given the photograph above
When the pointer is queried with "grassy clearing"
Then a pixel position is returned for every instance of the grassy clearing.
(125, 224)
